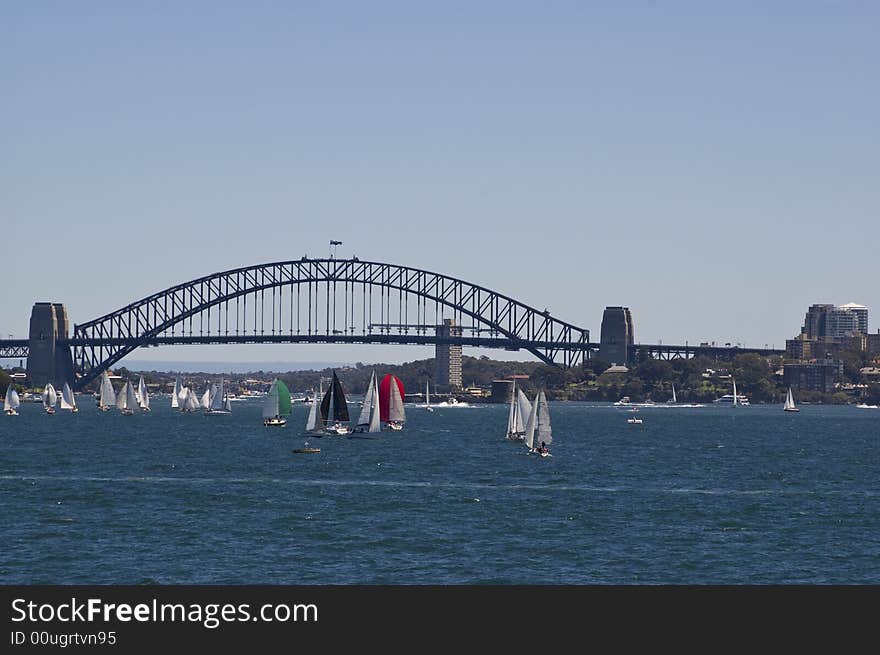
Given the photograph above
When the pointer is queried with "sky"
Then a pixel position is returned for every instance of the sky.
(713, 166)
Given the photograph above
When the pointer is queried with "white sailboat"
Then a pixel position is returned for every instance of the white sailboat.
(11, 401)
(68, 402)
(190, 401)
(143, 396)
(50, 397)
(127, 400)
(368, 421)
(315, 422)
(520, 408)
(205, 402)
(219, 403)
(396, 413)
(176, 394)
(335, 408)
(277, 405)
(789, 405)
(734, 394)
(672, 400)
(428, 397)
(108, 396)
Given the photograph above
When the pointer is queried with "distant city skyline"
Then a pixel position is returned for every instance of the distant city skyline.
(712, 168)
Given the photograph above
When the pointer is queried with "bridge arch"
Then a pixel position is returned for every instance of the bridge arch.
(310, 299)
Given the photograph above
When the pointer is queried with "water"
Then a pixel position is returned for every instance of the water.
(692, 496)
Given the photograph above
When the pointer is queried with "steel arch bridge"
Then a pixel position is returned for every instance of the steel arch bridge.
(325, 301)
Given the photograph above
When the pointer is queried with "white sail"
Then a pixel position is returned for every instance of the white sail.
(108, 396)
(375, 422)
(367, 408)
(143, 394)
(50, 396)
(544, 433)
(11, 401)
(525, 407)
(789, 400)
(67, 399)
(514, 420)
(205, 402)
(175, 395)
(395, 404)
(734, 393)
(427, 394)
(673, 393)
(531, 423)
(312, 421)
(270, 405)
(122, 399)
(227, 404)
(191, 402)
(131, 401)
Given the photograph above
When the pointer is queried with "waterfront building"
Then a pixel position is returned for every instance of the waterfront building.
(448, 358)
(617, 336)
(820, 375)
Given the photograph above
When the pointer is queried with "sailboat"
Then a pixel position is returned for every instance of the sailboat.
(67, 400)
(11, 401)
(789, 405)
(108, 396)
(734, 393)
(50, 397)
(143, 396)
(205, 402)
(391, 402)
(334, 408)
(219, 402)
(520, 408)
(368, 421)
(176, 394)
(396, 413)
(127, 401)
(315, 423)
(276, 405)
(538, 427)
(190, 401)
(672, 400)
(428, 397)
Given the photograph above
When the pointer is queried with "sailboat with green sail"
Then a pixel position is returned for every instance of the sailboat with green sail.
(276, 405)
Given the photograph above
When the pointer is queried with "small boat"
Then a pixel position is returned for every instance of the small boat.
(11, 401)
(277, 405)
(68, 402)
(307, 450)
(127, 401)
(623, 401)
(538, 427)
(789, 405)
(107, 397)
(50, 397)
(143, 396)
(368, 421)
(391, 411)
(219, 400)
(334, 408)
(177, 396)
(634, 419)
(867, 406)
(518, 415)
(428, 397)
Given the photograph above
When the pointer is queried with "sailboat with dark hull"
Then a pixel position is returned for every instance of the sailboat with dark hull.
(334, 409)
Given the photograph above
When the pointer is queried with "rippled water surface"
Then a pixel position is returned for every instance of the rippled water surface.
(691, 496)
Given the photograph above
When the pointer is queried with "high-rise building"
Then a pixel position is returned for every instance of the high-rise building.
(835, 321)
(616, 338)
(448, 358)
(820, 375)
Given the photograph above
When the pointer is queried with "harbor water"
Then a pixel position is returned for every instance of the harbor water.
(708, 495)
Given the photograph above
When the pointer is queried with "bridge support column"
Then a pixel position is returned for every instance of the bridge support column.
(49, 361)
(448, 358)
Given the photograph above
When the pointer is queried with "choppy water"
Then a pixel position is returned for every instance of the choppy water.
(692, 496)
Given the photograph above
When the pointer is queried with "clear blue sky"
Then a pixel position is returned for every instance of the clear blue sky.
(713, 166)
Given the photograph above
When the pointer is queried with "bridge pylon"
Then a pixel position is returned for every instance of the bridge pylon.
(48, 360)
